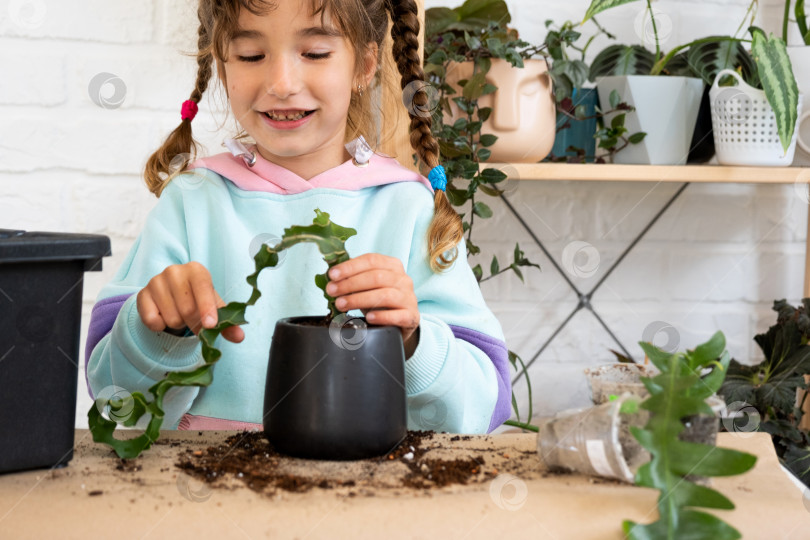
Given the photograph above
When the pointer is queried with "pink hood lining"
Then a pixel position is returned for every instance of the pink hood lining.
(272, 178)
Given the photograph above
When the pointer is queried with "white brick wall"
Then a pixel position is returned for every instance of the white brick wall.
(716, 260)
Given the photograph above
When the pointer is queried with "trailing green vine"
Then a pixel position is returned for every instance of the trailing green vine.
(330, 239)
(474, 32)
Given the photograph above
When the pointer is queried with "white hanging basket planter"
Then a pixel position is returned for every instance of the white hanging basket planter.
(744, 126)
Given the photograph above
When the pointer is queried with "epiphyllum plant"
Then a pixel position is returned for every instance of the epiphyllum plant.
(685, 380)
(330, 239)
(774, 71)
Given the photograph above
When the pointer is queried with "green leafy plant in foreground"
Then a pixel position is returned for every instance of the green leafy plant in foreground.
(677, 392)
(330, 239)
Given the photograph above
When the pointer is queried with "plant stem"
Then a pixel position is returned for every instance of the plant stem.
(785, 21)
(474, 156)
(747, 11)
(655, 32)
(501, 271)
(523, 425)
(602, 29)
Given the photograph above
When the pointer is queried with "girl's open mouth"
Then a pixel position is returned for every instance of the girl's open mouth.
(287, 116)
(287, 119)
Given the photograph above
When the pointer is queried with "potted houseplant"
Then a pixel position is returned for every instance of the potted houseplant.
(41, 276)
(578, 113)
(628, 60)
(752, 126)
(771, 396)
(666, 108)
(799, 53)
(303, 416)
(472, 54)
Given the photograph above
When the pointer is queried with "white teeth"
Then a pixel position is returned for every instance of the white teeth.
(285, 117)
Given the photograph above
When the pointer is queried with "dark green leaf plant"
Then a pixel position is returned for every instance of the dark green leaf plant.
(330, 239)
(771, 386)
(679, 391)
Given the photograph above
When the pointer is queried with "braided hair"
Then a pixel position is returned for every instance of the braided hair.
(362, 22)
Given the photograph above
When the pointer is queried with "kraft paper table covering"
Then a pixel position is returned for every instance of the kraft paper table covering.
(148, 503)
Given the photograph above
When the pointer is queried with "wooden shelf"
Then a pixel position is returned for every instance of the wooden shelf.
(653, 173)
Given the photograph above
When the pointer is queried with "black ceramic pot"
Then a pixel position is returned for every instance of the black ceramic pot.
(702, 146)
(335, 392)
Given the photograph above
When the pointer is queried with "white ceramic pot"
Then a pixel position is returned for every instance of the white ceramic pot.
(800, 59)
(666, 110)
(523, 109)
(744, 126)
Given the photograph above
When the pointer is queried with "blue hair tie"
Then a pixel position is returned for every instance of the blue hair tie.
(438, 178)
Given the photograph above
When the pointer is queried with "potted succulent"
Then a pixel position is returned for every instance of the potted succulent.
(629, 439)
(472, 54)
(303, 416)
(41, 276)
(619, 60)
(685, 380)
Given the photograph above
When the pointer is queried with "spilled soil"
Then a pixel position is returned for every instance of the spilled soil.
(422, 461)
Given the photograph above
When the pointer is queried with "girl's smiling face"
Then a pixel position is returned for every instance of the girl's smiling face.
(289, 76)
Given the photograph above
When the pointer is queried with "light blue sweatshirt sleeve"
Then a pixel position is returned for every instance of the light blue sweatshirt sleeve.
(457, 378)
(130, 356)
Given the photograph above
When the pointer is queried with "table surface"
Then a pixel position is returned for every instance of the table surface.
(511, 496)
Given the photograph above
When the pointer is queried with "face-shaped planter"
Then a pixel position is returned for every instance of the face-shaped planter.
(523, 109)
(335, 392)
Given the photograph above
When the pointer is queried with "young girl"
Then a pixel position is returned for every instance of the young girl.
(297, 76)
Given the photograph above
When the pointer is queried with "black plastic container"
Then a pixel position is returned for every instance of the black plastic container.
(335, 393)
(702, 149)
(41, 277)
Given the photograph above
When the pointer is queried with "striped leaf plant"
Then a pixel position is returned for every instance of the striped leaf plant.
(707, 56)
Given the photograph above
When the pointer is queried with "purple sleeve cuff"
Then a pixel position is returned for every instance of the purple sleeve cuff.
(102, 319)
(497, 352)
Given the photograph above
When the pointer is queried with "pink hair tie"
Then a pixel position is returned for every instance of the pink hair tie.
(189, 110)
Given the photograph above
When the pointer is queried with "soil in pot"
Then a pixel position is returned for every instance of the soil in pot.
(617, 379)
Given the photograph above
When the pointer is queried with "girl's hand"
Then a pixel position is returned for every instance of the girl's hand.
(378, 285)
(182, 296)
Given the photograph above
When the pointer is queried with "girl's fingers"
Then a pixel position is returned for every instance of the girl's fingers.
(148, 311)
(363, 263)
(207, 299)
(234, 334)
(403, 318)
(370, 280)
(164, 300)
(184, 300)
(376, 299)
